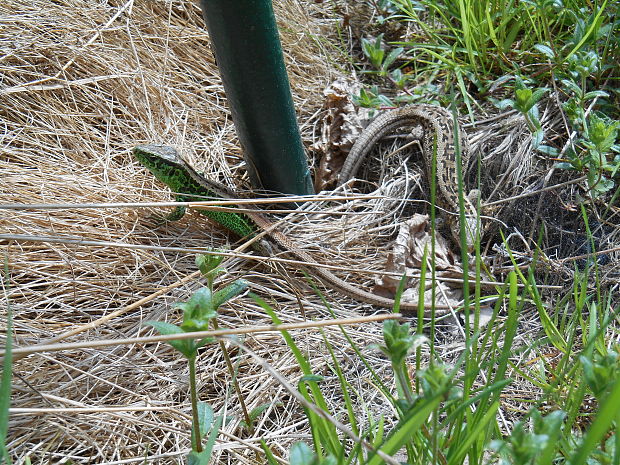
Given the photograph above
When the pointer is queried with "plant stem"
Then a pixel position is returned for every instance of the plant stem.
(403, 381)
(194, 397)
(244, 409)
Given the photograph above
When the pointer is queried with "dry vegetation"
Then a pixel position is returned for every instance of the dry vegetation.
(82, 83)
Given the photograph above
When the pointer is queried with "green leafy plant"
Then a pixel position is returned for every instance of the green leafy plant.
(483, 41)
(535, 447)
(596, 151)
(525, 101)
(399, 78)
(198, 313)
(376, 53)
(437, 395)
(468, 38)
(209, 266)
(601, 373)
(371, 98)
(399, 343)
(577, 102)
(386, 9)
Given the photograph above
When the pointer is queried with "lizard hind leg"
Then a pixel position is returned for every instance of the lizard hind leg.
(176, 215)
(178, 212)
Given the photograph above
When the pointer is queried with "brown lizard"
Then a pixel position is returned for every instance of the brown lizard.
(437, 125)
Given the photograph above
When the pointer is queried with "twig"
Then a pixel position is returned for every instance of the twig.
(24, 351)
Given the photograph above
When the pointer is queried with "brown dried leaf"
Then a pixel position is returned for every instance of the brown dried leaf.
(406, 257)
(341, 127)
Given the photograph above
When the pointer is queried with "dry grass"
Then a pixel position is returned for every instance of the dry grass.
(83, 83)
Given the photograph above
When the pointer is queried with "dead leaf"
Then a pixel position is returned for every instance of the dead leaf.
(341, 127)
(412, 244)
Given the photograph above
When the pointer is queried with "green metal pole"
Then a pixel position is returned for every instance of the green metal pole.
(245, 39)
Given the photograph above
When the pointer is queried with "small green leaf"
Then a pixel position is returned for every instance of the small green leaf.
(572, 86)
(506, 103)
(564, 166)
(545, 50)
(399, 78)
(203, 458)
(199, 303)
(615, 166)
(230, 291)
(192, 324)
(215, 430)
(301, 454)
(208, 264)
(311, 378)
(603, 135)
(165, 328)
(185, 346)
(399, 341)
(602, 185)
(522, 97)
(533, 118)
(374, 51)
(195, 458)
(537, 138)
(198, 310)
(574, 111)
(519, 83)
(595, 93)
(548, 150)
(391, 58)
(537, 95)
(205, 418)
(384, 101)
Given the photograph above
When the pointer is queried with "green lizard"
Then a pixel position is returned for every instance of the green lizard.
(164, 162)
(167, 166)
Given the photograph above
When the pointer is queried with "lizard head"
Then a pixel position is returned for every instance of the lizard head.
(167, 166)
(161, 160)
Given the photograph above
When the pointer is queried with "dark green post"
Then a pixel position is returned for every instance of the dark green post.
(245, 39)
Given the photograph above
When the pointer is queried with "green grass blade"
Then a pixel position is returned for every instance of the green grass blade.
(406, 429)
(7, 367)
(608, 412)
(510, 327)
(474, 434)
(376, 378)
(213, 435)
(345, 386)
(325, 430)
(495, 387)
(271, 459)
(587, 35)
(5, 383)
